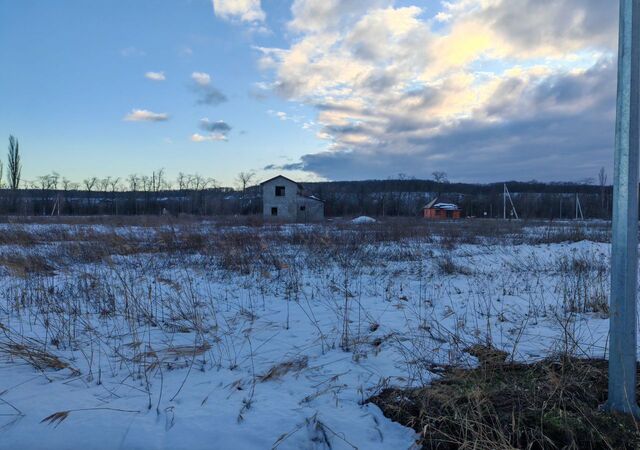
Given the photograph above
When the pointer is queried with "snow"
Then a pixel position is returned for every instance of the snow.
(174, 350)
(363, 219)
(447, 206)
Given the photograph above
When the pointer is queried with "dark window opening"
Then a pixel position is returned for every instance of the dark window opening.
(279, 191)
(274, 211)
(302, 208)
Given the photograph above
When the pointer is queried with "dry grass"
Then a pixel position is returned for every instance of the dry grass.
(115, 285)
(169, 356)
(32, 353)
(551, 404)
(279, 370)
(22, 266)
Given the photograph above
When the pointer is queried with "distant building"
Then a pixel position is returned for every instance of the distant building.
(436, 210)
(284, 199)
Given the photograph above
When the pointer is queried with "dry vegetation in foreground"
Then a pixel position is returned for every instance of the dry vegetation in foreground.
(142, 298)
(550, 404)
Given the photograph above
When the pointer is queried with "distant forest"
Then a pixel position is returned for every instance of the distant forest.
(400, 197)
(52, 194)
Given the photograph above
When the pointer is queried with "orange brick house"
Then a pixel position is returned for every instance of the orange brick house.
(441, 211)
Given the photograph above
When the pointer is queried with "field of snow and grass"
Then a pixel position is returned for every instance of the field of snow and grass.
(177, 334)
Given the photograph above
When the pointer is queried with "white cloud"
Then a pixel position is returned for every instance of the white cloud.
(132, 51)
(285, 117)
(143, 115)
(155, 76)
(388, 81)
(201, 78)
(244, 10)
(281, 115)
(322, 15)
(443, 17)
(212, 137)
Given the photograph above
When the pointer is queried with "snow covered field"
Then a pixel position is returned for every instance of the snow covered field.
(195, 335)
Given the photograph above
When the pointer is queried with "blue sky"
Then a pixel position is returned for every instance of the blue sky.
(76, 68)
(316, 89)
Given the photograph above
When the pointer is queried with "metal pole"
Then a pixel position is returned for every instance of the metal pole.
(624, 252)
(504, 202)
(561, 197)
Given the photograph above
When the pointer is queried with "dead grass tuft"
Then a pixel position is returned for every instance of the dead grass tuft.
(279, 370)
(35, 356)
(26, 265)
(56, 418)
(551, 404)
(447, 266)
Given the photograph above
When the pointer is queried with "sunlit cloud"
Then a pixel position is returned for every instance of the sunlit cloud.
(394, 87)
(242, 10)
(201, 78)
(143, 115)
(155, 76)
(212, 137)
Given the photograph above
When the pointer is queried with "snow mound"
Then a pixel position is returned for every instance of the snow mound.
(363, 219)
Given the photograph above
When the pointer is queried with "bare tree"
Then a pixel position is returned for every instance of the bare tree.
(13, 162)
(182, 181)
(602, 181)
(66, 184)
(104, 184)
(89, 183)
(440, 177)
(199, 182)
(157, 181)
(134, 181)
(244, 179)
(113, 183)
(602, 177)
(47, 183)
(54, 178)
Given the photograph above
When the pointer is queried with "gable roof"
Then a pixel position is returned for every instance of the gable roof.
(313, 197)
(282, 176)
(431, 203)
(437, 204)
(445, 206)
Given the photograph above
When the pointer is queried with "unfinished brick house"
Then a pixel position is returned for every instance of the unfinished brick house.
(286, 200)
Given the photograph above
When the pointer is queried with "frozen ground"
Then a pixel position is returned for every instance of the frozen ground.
(199, 336)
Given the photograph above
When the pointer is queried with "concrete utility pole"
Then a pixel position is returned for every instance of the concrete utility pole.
(624, 252)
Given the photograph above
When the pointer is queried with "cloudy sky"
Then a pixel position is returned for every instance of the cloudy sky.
(484, 90)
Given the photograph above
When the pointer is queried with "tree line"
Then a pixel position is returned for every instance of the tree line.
(155, 193)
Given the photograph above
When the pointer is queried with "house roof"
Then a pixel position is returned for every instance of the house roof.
(313, 197)
(445, 206)
(282, 176)
(434, 204)
(300, 186)
(431, 203)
